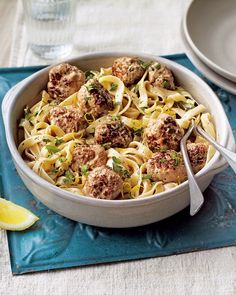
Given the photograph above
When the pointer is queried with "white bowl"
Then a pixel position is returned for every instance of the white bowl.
(209, 27)
(113, 213)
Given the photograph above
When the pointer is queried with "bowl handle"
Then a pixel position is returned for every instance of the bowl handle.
(5, 103)
(7, 99)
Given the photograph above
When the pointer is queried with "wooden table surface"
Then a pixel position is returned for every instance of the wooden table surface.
(207, 272)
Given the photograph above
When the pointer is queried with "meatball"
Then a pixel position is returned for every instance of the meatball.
(113, 133)
(128, 69)
(64, 80)
(159, 75)
(163, 134)
(103, 183)
(67, 118)
(94, 99)
(197, 153)
(93, 156)
(167, 167)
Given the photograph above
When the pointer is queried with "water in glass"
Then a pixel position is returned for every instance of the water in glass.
(50, 26)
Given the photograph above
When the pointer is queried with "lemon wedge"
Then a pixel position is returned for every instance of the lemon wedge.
(14, 217)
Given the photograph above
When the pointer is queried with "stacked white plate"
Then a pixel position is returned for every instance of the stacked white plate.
(209, 35)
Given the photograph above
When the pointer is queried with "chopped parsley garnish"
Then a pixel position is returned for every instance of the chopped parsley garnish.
(163, 149)
(136, 89)
(115, 118)
(87, 98)
(46, 140)
(106, 145)
(162, 160)
(119, 169)
(157, 66)
(113, 87)
(89, 75)
(69, 177)
(92, 86)
(84, 169)
(35, 114)
(139, 131)
(145, 65)
(166, 84)
(176, 158)
(54, 171)
(189, 104)
(116, 160)
(146, 176)
(52, 149)
(62, 159)
(125, 173)
(59, 141)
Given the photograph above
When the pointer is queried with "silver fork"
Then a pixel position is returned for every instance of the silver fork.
(229, 156)
(196, 196)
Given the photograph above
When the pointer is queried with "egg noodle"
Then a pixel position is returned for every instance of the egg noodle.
(47, 149)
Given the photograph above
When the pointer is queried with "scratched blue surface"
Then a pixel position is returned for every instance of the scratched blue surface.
(57, 242)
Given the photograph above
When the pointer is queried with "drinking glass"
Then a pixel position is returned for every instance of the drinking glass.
(50, 26)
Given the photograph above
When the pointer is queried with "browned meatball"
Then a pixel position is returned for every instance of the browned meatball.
(113, 133)
(163, 134)
(93, 156)
(94, 99)
(103, 183)
(64, 80)
(128, 69)
(159, 75)
(67, 118)
(197, 155)
(167, 167)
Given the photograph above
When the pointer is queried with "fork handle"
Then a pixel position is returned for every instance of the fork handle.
(229, 156)
(196, 196)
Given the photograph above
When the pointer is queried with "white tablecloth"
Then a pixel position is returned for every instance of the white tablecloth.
(151, 26)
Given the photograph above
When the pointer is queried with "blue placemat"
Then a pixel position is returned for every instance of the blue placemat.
(57, 242)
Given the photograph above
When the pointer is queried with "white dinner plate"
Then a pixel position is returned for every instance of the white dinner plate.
(205, 70)
(210, 29)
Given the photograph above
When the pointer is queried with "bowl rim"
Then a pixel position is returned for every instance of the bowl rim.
(35, 178)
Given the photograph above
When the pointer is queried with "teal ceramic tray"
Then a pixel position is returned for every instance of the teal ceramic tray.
(56, 242)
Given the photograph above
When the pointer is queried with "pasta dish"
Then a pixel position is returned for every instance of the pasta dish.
(114, 133)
